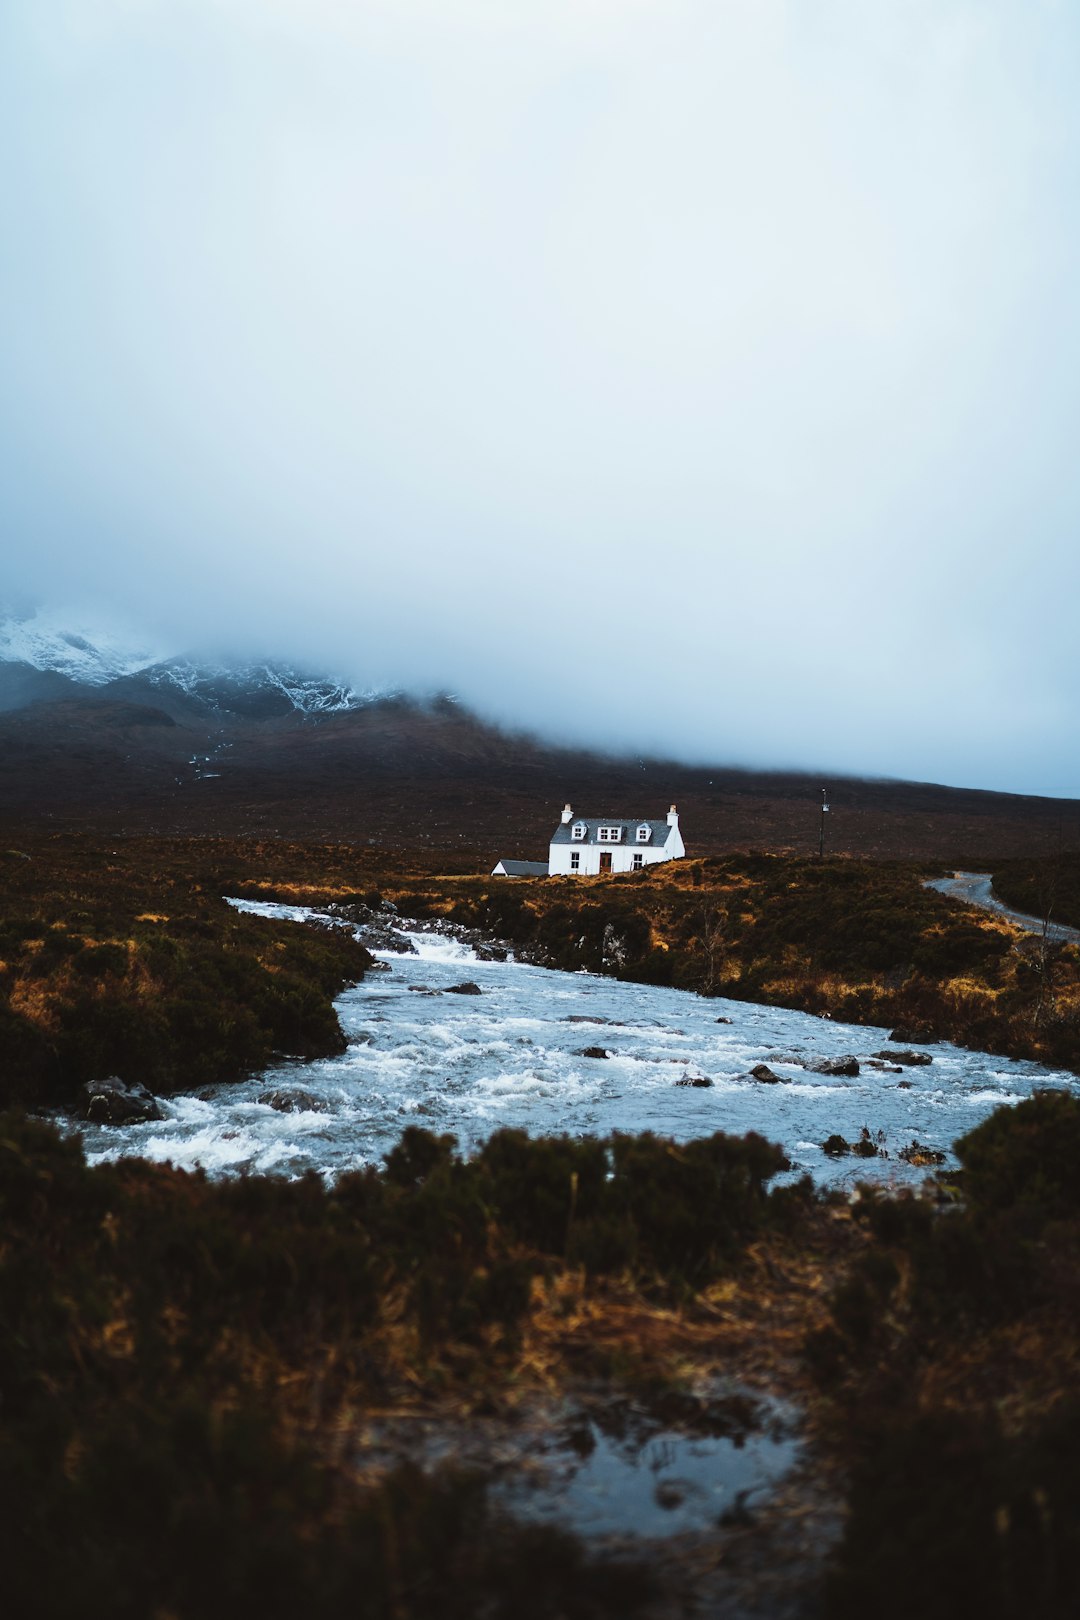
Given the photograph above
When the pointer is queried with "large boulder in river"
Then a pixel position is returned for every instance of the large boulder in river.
(293, 1102)
(380, 936)
(909, 1060)
(694, 1080)
(762, 1072)
(835, 1065)
(466, 989)
(111, 1102)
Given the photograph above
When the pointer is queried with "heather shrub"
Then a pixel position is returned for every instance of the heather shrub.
(1026, 1159)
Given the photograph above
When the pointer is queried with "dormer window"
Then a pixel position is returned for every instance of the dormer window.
(609, 835)
(644, 833)
(578, 831)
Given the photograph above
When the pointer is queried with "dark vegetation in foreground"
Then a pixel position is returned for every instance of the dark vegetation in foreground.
(954, 1354)
(179, 1360)
(182, 1363)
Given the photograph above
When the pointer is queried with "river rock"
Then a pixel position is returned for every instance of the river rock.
(762, 1072)
(694, 1080)
(886, 1068)
(466, 989)
(912, 1035)
(293, 1102)
(724, 1020)
(594, 1052)
(378, 937)
(909, 1060)
(917, 1154)
(111, 1102)
(835, 1146)
(835, 1065)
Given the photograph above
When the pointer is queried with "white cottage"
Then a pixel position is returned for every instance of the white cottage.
(589, 845)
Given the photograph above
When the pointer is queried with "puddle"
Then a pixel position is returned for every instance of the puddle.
(613, 1471)
(666, 1485)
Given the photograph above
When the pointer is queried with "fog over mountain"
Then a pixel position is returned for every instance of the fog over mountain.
(697, 378)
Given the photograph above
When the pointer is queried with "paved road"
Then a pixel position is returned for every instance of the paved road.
(976, 888)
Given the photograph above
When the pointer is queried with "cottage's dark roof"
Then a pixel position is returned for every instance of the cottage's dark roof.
(524, 868)
(660, 830)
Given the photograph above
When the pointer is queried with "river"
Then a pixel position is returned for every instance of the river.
(420, 1054)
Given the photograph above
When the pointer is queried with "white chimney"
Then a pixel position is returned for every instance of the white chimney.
(567, 814)
(673, 817)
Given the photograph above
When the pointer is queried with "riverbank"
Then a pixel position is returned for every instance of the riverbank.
(455, 1034)
(865, 943)
(123, 958)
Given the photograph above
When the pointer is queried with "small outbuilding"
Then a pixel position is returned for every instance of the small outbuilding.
(520, 869)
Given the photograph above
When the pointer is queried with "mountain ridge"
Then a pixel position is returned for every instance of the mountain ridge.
(38, 654)
(179, 747)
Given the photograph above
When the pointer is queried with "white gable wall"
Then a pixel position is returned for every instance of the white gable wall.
(622, 857)
(659, 848)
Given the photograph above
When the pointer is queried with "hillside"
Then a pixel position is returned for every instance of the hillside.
(393, 772)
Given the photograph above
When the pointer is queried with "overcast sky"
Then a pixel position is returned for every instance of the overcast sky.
(699, 376)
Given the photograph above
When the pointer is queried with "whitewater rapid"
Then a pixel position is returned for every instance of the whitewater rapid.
(420, 1054)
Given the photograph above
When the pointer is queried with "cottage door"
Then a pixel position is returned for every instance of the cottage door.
(605, 860)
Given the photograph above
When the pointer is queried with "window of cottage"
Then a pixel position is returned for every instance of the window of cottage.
(578, 830)
(575, 859)
(609, 835)
(639, 860)
(644, 833)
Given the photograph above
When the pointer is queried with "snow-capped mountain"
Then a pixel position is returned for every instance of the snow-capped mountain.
(50, 642)
(256, 688)
(61, 652)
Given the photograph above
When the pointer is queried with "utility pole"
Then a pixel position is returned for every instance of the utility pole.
(821, 834)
